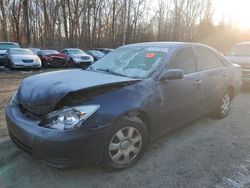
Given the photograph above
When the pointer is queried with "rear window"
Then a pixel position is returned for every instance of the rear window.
(6, 46)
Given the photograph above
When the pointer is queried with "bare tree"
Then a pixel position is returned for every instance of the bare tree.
(4, 20)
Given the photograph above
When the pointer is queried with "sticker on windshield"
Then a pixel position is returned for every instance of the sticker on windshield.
(150, 55)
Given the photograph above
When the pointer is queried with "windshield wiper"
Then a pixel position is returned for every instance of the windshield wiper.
(110, 72)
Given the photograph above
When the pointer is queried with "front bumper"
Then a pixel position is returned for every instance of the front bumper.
(53, 147)
(82, 63)
(245, 76)
(26, 65)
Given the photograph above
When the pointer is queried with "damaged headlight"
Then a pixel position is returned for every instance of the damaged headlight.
(70, 118)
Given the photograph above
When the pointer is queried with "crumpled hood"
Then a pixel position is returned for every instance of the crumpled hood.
(240, 60)
(40, 93)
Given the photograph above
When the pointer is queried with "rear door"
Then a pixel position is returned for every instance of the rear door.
(214, 77)
(181, 99)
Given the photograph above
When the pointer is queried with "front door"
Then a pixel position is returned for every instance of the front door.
(180, 99)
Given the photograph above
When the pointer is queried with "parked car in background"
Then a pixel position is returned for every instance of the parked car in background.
(53, 58)
(4, 46)
(77, 57)
(22, 58)
(35, 50)
(240, 54)
(110, 111)
(105, 50)
(95, 54)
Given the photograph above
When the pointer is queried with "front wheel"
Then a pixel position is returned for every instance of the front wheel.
(125, 144)
(224, 106)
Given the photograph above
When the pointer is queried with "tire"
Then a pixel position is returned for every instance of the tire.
(125, 144)
(6, 64)
(10, 65)
(224, 106)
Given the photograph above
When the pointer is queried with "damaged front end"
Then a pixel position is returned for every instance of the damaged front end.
(70, 111)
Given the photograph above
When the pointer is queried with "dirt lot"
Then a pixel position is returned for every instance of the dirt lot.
(206, 153)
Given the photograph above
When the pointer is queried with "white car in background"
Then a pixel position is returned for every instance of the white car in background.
(78, 58)
(240, 54)
(22, 58)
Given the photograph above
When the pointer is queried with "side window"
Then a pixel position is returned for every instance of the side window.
(207, 59)
(185, 60)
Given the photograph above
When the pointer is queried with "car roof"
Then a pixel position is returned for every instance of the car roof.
(48, 50)
(242, 43)
(104, 48)
(165, 44)
(19, 49)
(71, 49)
(9, 43)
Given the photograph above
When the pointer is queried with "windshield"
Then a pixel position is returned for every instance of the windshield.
(6, 46)
(21, 52)
(96, 53)
(240, 50)
(49, 52)
(135, 62)
(76, 51)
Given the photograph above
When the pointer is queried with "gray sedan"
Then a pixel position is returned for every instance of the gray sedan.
(22, 58)
(110, 111)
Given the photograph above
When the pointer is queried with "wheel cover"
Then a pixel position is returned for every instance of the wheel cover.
(125, 145)
(225, 105)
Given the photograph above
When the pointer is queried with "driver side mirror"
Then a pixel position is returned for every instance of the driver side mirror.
(172, 74)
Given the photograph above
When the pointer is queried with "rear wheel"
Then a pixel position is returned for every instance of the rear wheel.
(125, 144)
(224, 106)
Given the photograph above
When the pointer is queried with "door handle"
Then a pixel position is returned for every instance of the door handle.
(198, 82)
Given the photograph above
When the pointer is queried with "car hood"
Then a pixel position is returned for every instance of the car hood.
(3, 51)
(79, 55)
(240, 60)
(41, 93)
(24, 56)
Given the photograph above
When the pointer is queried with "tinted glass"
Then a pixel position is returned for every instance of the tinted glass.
(185, 60)
(207, 60)
(135, 62)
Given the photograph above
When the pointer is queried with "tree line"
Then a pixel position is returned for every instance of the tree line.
(112, 23)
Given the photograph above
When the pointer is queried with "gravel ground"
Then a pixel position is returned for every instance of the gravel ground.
(205, 153)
